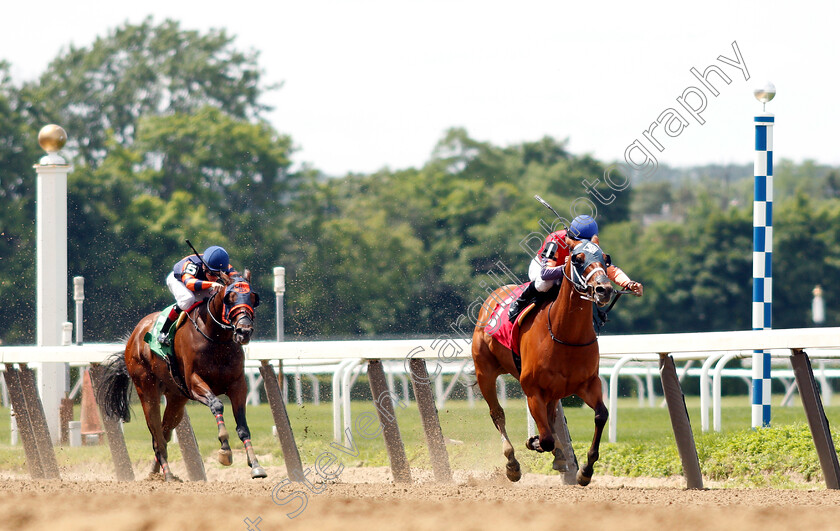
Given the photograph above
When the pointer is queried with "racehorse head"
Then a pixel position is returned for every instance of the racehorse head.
(588, 273)
(239, 304)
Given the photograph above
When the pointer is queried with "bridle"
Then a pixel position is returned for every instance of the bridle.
(580, 283)
(240, 316)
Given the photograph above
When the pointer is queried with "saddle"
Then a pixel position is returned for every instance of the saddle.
(167, 353)
(505, 331)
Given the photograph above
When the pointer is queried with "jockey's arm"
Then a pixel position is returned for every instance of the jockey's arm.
(551, 272)
(194, 284)
(620, 277)
(548, 275)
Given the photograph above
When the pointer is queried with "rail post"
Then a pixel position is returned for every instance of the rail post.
(189, 449)
(291, 455)
(817, 421)
(382, 399)
(114, 433)
(680, 422)
(431, 421)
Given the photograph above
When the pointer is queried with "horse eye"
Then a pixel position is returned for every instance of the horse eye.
(607, 260)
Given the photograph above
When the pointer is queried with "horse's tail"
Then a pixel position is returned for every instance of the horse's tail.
(112, 391)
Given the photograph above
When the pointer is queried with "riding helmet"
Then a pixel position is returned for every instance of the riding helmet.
(216, 258)
(583, 228)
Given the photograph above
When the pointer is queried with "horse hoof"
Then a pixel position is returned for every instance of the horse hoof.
(258, 472)
(533, 443)
(514, 473)
(226, 457)
(582, 479)
(560, 465)
(173, 478)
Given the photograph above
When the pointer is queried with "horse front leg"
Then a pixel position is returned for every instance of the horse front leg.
(201, 392)
(592, 397)
(237, 394)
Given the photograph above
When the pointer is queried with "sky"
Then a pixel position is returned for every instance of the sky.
(370, 84)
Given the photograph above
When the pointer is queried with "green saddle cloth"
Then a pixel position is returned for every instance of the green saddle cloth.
(151, 338)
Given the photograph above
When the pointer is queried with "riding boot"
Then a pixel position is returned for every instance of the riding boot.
(163, 337)
(528, 296)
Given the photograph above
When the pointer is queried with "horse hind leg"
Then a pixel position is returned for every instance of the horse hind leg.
(172, 415)
(560, 463)
(150, 400)
(487, 384)
(544, 442)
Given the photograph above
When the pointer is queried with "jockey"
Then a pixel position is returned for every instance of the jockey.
(194, 278)
(546, 268)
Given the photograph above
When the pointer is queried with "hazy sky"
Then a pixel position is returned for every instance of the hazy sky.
(375, 83)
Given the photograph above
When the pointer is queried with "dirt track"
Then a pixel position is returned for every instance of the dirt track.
(365, 499)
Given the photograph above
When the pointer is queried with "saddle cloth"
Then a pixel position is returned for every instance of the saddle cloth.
(501, 328)
(151, 337)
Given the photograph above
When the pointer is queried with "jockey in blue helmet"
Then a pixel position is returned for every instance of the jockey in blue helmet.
(193, 278)
(546, 268)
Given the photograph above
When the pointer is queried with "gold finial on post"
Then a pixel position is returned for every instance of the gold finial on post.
(52, 138)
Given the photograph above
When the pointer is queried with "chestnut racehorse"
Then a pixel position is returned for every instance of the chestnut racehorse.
(208, 361)
(559, 351)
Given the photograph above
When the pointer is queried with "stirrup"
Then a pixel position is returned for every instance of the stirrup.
(163, 339)
(516, 308)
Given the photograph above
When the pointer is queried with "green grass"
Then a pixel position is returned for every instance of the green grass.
(780, 456)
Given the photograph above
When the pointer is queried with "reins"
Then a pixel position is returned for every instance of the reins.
(221, 325)
(557, 340)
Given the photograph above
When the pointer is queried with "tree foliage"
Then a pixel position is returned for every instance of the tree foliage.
(169, 143)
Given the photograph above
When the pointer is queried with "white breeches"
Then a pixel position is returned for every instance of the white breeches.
(183, 296)
(534, 270)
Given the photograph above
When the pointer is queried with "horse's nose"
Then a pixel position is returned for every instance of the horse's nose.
(244, 334)
(603, 292)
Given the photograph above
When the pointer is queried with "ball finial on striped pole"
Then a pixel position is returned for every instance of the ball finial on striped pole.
(762, 253)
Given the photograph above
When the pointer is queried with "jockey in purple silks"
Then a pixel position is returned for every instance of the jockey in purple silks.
(192, 279)
(546, 268)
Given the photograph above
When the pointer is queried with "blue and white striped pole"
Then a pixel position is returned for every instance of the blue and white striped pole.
(762, 255)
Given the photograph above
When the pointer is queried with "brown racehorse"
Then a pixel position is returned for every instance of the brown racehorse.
(209, 361)
(559, 351)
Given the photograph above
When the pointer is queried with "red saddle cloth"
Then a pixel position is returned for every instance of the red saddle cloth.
(503, 329)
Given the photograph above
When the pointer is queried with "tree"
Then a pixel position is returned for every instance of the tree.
(140, 71)
(18, 151)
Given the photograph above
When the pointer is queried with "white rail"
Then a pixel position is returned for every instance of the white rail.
(713, 348)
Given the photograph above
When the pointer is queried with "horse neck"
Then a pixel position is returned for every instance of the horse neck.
(571, 316)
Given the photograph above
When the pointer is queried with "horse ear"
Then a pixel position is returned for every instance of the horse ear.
(247, 275)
